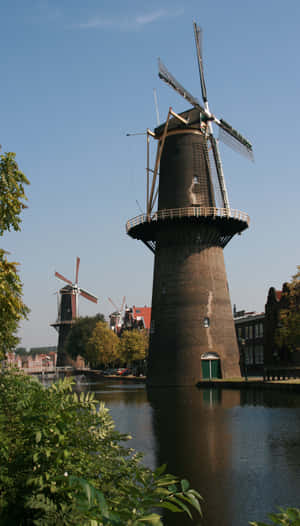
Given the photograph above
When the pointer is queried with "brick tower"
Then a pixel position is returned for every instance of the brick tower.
(191, 312)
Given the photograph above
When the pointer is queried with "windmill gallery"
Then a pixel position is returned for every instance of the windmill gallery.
(191, 311)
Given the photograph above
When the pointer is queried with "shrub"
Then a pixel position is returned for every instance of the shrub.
(63, 463)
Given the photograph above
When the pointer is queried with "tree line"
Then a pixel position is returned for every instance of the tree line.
(91, 338)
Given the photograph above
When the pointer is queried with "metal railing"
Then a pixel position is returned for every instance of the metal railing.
(191, 211)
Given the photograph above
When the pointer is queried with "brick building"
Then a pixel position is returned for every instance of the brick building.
(250, 330)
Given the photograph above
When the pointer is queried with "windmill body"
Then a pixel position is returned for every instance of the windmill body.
(116, 317)
(68, 311)
(191, 312)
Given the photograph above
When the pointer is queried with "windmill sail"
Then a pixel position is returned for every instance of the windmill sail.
(88, 295)
(219, 169)
(198, 40)
(168, 78)
(235, 140)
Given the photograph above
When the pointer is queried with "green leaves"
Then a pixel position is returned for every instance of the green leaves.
(286, 517)
(63, 463)
(287, 334)
(12, 308)
(12, 194)
(133, 345)
(80, 334)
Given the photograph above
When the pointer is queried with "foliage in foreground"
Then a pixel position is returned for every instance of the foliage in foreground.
(288, 517)
(12, 193)
(12, 308)
(12, 197)
(63, 463)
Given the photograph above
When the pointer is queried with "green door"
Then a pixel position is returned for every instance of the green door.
(211, 369)
(215, 369)
(205, 369)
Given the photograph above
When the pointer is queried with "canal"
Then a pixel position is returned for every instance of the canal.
(239, 449)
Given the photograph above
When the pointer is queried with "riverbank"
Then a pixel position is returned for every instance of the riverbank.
(95, 375)
(230, 383)
(251, 383)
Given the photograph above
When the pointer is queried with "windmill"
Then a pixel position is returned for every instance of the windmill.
(116, 316)
(68, 308)
(191, 312)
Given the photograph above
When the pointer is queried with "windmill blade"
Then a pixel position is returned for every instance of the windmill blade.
(58, 307)
(234, 139)
(113, 304)
(168, 78)
(123, 303)
(60, 276)
(88, 296)
(198, 41)
(219, 169)
(77, 269)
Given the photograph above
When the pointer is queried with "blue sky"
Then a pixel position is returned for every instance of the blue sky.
(76, 76)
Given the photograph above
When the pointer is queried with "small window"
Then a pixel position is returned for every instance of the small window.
(206, 323)
(248, 356)
(259, 354)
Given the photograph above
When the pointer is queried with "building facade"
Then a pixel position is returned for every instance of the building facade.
(250, 331)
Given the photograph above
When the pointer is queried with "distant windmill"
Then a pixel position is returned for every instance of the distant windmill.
(116, 316)
(68, 309)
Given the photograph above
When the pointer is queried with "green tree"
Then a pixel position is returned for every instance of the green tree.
(102, 346)
(12, 193)
(287, 334)
(21, 351)
(133, 346)
(80, 334)
(12, 308)
(285, 517)
(12, 197)
(64, 464)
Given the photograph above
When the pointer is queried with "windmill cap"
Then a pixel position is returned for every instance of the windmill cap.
(192, 116)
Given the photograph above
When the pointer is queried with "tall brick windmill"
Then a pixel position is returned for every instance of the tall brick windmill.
(68, 310)
(191, 311)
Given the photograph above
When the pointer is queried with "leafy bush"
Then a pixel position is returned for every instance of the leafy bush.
(288, 517)
(63, 463)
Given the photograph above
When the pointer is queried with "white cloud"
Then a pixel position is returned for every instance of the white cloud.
(150, 17)
(127, 23)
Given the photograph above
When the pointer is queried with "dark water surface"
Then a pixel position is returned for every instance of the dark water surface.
(239, 449)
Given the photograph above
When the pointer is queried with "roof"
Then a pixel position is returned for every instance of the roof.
(249, 316)
(278, 294)
(192, 116)
(142, 313)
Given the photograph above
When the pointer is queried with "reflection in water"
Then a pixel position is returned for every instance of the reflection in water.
(194, 438)
(131, 412)
(239, 449)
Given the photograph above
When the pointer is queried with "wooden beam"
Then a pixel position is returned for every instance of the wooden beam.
(157, 161)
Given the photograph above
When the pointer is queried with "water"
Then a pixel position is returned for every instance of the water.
(239, 449)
